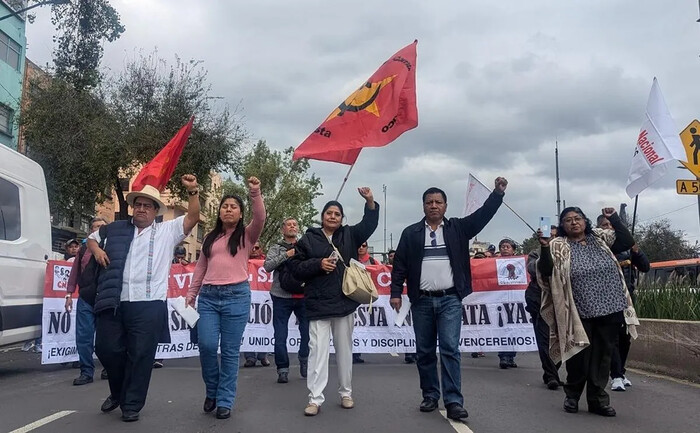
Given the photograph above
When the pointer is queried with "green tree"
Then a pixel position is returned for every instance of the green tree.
(287, 187)
(87, 140)
(530, 244)
(83, 26)
(152, 100)
(661, 242)
(72, 136)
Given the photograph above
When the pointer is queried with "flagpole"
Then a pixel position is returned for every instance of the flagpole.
(556, 163)
(634, 212)
(511, 209)
(344, 181)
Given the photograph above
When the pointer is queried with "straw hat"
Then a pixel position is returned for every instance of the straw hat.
(150, 192)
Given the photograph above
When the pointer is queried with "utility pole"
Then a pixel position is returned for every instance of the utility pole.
(556, 163)
(384, 189)
(391, 237)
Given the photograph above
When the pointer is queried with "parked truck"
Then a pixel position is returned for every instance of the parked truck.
(25, 246)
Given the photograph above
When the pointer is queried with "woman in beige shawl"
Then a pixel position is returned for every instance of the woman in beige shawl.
(584, 301)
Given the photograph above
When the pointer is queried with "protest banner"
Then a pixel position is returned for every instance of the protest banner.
(493, 316)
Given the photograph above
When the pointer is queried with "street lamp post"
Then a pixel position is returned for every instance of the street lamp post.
(384, 189)
(47, 2)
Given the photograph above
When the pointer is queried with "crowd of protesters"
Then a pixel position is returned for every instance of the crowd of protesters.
(579, 297)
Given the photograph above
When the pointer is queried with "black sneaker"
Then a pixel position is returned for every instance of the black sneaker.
(606, 410)
(570, 405)
(553, 384)
(428, 404)
(109, 404)
(283, 377)
(130, 416)
(209, 405)
(304, 368)
(456, 412)
(82, 380)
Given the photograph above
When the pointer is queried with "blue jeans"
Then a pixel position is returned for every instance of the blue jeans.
(282, 309)
(439, 318)
(85, 337)
(223, 314)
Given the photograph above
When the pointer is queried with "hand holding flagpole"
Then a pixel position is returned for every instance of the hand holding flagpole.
(477, 193)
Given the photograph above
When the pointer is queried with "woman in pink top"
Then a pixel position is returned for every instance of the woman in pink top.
(224, 297)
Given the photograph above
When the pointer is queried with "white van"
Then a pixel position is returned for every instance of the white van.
(25, 245)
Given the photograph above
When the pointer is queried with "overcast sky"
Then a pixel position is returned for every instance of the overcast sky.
(498, 83)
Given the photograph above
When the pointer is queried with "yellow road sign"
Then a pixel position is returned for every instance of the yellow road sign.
(688, 187)
(690, 137)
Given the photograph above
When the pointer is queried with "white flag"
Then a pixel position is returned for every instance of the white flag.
(658, 145)
(477, 194)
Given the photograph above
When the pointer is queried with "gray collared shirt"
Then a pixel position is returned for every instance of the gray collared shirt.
(436, 271)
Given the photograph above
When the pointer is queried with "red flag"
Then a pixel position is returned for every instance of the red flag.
(158, 171)
(383, 108)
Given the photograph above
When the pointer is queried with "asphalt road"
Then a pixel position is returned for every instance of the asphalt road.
(386, 396)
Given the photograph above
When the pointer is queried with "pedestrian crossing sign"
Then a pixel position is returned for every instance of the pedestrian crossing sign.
(690, 137)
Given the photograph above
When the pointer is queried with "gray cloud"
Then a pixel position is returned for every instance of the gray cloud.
(498, 83)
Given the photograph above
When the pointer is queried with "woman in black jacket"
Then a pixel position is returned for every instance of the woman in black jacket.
(329, 311)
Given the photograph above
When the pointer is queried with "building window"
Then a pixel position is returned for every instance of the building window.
(10, 221)
(10, 51)
(5, 120)
(200, 233)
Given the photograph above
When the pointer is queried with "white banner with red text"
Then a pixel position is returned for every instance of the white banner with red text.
(493, 316)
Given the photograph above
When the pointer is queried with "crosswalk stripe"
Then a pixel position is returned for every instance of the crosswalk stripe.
(459, 426)
(42, 422)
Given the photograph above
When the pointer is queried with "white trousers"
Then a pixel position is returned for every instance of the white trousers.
(319, 351)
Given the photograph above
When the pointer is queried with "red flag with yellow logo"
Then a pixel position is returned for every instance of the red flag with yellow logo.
(157, 172)
(383, 108)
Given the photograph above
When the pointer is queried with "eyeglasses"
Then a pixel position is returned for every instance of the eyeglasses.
(577, 219)
(256, 248)
(363, 246)
(144, 206)
(433, 241)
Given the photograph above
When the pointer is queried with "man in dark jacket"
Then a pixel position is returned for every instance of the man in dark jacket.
(533, 301)
(284, 303)
(433, 259)
(632, 262)
(84, 315)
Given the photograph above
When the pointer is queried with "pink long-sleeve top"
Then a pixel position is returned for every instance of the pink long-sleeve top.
(220, 267)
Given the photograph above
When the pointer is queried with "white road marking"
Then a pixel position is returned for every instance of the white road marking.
(661, 376)
(394, 354)
(42, 422)
(459, 426)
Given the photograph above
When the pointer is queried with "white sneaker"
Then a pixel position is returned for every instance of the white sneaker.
(617, 384)
(626, 381)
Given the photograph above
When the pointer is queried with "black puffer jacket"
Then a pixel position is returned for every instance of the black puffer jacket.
(323, 294)
(117, 242)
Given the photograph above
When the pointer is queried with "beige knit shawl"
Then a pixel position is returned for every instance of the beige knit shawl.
(566, 334)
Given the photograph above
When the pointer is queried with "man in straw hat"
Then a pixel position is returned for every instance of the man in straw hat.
(130, 307)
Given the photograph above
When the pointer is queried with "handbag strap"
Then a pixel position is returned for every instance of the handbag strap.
(336, 250)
